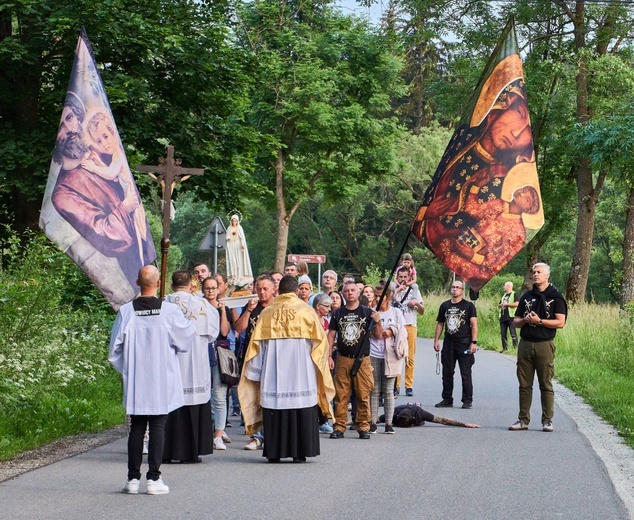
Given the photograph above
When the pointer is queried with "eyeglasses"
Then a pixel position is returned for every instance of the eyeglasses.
(324, 306)
(210, 289)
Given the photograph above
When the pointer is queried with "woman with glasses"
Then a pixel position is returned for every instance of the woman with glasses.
(218, 390)
(322, 304)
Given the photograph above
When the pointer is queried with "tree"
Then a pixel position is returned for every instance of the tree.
(609, 144)
(320, 99)
(579, 38)
(168, 69)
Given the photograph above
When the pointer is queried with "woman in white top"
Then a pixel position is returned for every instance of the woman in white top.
(384, 376)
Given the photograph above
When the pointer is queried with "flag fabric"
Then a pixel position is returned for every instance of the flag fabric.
(91, 207)
(484, 203)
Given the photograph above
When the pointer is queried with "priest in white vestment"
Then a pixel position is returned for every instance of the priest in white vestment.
(286, 378)
(188, 432)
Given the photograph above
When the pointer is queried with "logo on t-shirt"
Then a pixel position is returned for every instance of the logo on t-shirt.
(454, 318)
(351, 327)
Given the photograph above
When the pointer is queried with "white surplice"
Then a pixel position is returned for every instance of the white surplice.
(194, 364)
(286, 373)
(143, 348)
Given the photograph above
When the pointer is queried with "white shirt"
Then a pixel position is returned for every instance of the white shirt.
(400, 300)
(389, 317)
(143, 348)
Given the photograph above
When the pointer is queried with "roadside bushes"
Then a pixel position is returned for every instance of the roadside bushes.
(55, 378)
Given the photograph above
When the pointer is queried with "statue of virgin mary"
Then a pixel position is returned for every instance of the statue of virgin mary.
(238, 263)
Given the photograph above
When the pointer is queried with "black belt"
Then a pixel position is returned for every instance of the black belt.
(352, 356)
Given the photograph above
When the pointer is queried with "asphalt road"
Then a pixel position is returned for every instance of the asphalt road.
(429, 472)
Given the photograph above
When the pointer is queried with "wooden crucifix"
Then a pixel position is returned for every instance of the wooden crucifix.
(168, 173)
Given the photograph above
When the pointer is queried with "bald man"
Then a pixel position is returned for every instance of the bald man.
(146, 337)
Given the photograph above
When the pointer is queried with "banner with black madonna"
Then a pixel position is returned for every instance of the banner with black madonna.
(483, 204)
(91, 208)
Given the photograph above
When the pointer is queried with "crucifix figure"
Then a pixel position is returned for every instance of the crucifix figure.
(168, 173)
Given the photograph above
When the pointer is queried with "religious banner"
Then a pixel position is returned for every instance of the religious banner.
(91, 208)
(484, 203)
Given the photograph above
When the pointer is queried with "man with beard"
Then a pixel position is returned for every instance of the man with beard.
(460, 321)
(96, 207)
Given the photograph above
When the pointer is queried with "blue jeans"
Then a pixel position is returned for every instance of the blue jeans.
(218, 399)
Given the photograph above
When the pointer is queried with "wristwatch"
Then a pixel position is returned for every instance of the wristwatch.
(474, 342)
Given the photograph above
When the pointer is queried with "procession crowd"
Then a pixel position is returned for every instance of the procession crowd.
(309, 362)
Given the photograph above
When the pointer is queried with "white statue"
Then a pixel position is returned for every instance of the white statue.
(238, 264)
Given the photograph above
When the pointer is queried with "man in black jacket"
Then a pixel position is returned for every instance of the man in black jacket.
(540, 312)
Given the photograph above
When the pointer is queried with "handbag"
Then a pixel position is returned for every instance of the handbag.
(228, 366)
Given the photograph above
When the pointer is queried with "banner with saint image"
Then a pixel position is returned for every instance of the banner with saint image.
(91, 208)
(484, 204)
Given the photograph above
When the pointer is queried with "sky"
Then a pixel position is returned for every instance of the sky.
(351, 6)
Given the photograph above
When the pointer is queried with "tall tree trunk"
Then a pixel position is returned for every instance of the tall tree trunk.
(627, 287)
(283, 218)
(578, 277)
(586, 210)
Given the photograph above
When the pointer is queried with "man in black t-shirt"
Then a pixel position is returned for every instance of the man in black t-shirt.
(540, 312)
(349, 326)
(460, 320)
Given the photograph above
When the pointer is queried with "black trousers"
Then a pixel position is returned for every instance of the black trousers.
(453, 351)
(506, 326)
(138, 426)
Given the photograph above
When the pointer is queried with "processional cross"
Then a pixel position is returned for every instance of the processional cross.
(168, 173)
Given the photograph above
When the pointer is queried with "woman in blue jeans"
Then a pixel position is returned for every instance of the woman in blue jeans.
(218, 390)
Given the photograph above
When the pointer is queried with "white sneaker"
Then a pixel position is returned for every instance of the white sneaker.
(225, 438)
(547, 426)
(131, 487)
(218, 444)
(518, 425)
(157, 487)
(254, 444)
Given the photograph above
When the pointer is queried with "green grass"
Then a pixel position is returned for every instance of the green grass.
(595, 354)
(30, 423)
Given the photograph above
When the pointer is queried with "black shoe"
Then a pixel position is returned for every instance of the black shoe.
(299, 459)
(389, 429)
(273, 461)
(197, 460)
(466, 406)
(337, 434)
(444, 404)
(353, 426)
(409, 392)
(364, 434)
(373, 428)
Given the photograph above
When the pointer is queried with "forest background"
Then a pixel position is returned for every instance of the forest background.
(323, 129)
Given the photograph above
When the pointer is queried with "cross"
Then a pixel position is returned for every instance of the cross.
(168, 173)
